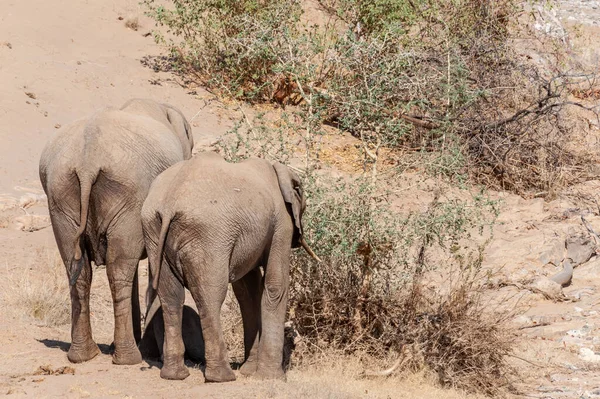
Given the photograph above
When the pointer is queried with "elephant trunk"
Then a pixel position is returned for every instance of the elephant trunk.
(309, 250)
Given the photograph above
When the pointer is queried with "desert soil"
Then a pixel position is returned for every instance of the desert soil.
(61, 60)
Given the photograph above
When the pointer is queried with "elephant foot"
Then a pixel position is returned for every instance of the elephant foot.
(82, 353)
(174, 372)
(249, 368)
(132, 356)
(219, 374)
(270, 374)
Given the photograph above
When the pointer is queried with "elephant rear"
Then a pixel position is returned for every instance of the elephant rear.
(96, 174)
(207, 223)
(106, 162)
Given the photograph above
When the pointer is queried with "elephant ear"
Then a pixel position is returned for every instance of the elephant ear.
(182, 128)
(291, 190)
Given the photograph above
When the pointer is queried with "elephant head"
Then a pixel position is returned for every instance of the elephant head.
(293, 195)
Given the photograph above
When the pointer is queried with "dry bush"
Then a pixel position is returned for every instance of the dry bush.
(371, 293)
(439, 79)
(41, 291)
(233, 332)
(454, 333)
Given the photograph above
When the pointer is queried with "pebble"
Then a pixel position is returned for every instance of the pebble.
(588, 355)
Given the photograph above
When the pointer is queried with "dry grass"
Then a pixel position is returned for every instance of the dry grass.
(233, 331)
(41, 291)
(331, 374)
(451, 332)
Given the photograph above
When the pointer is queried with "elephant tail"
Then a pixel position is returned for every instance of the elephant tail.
(85, 186)
(164, 229)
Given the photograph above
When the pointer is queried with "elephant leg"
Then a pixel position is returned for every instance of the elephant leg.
(136, 316)
(124, 248)
(83, 347)
(172, 296)
(273, 310)
(248, 291)
(121, 272)
(209, 294)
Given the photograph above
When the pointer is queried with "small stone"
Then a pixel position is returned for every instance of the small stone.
(588, 355)
(580, 248)
(548, 287)
(30, 199)
(31, 223)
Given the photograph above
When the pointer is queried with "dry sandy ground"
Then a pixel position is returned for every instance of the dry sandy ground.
(60, 60)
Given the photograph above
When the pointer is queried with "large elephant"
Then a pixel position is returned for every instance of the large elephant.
(96, 173)
(208, 222)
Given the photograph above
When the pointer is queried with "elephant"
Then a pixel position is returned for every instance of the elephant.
(208, 223)
(151, 345)
(96, 174)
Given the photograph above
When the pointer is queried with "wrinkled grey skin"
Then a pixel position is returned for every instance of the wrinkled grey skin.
(207, 223)
(96, 173)
(151, 345)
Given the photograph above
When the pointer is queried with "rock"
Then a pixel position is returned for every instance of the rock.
(565, 276)
(580, 248)
(589, 270)
(588, 355)
(7, 203)
(559, 378)
(30, 199)
(554, 253)
(31, 223)
(548, 288)
(522, 321)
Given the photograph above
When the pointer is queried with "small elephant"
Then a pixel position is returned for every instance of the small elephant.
(96, 174)
(151, 345)
(207, 223)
